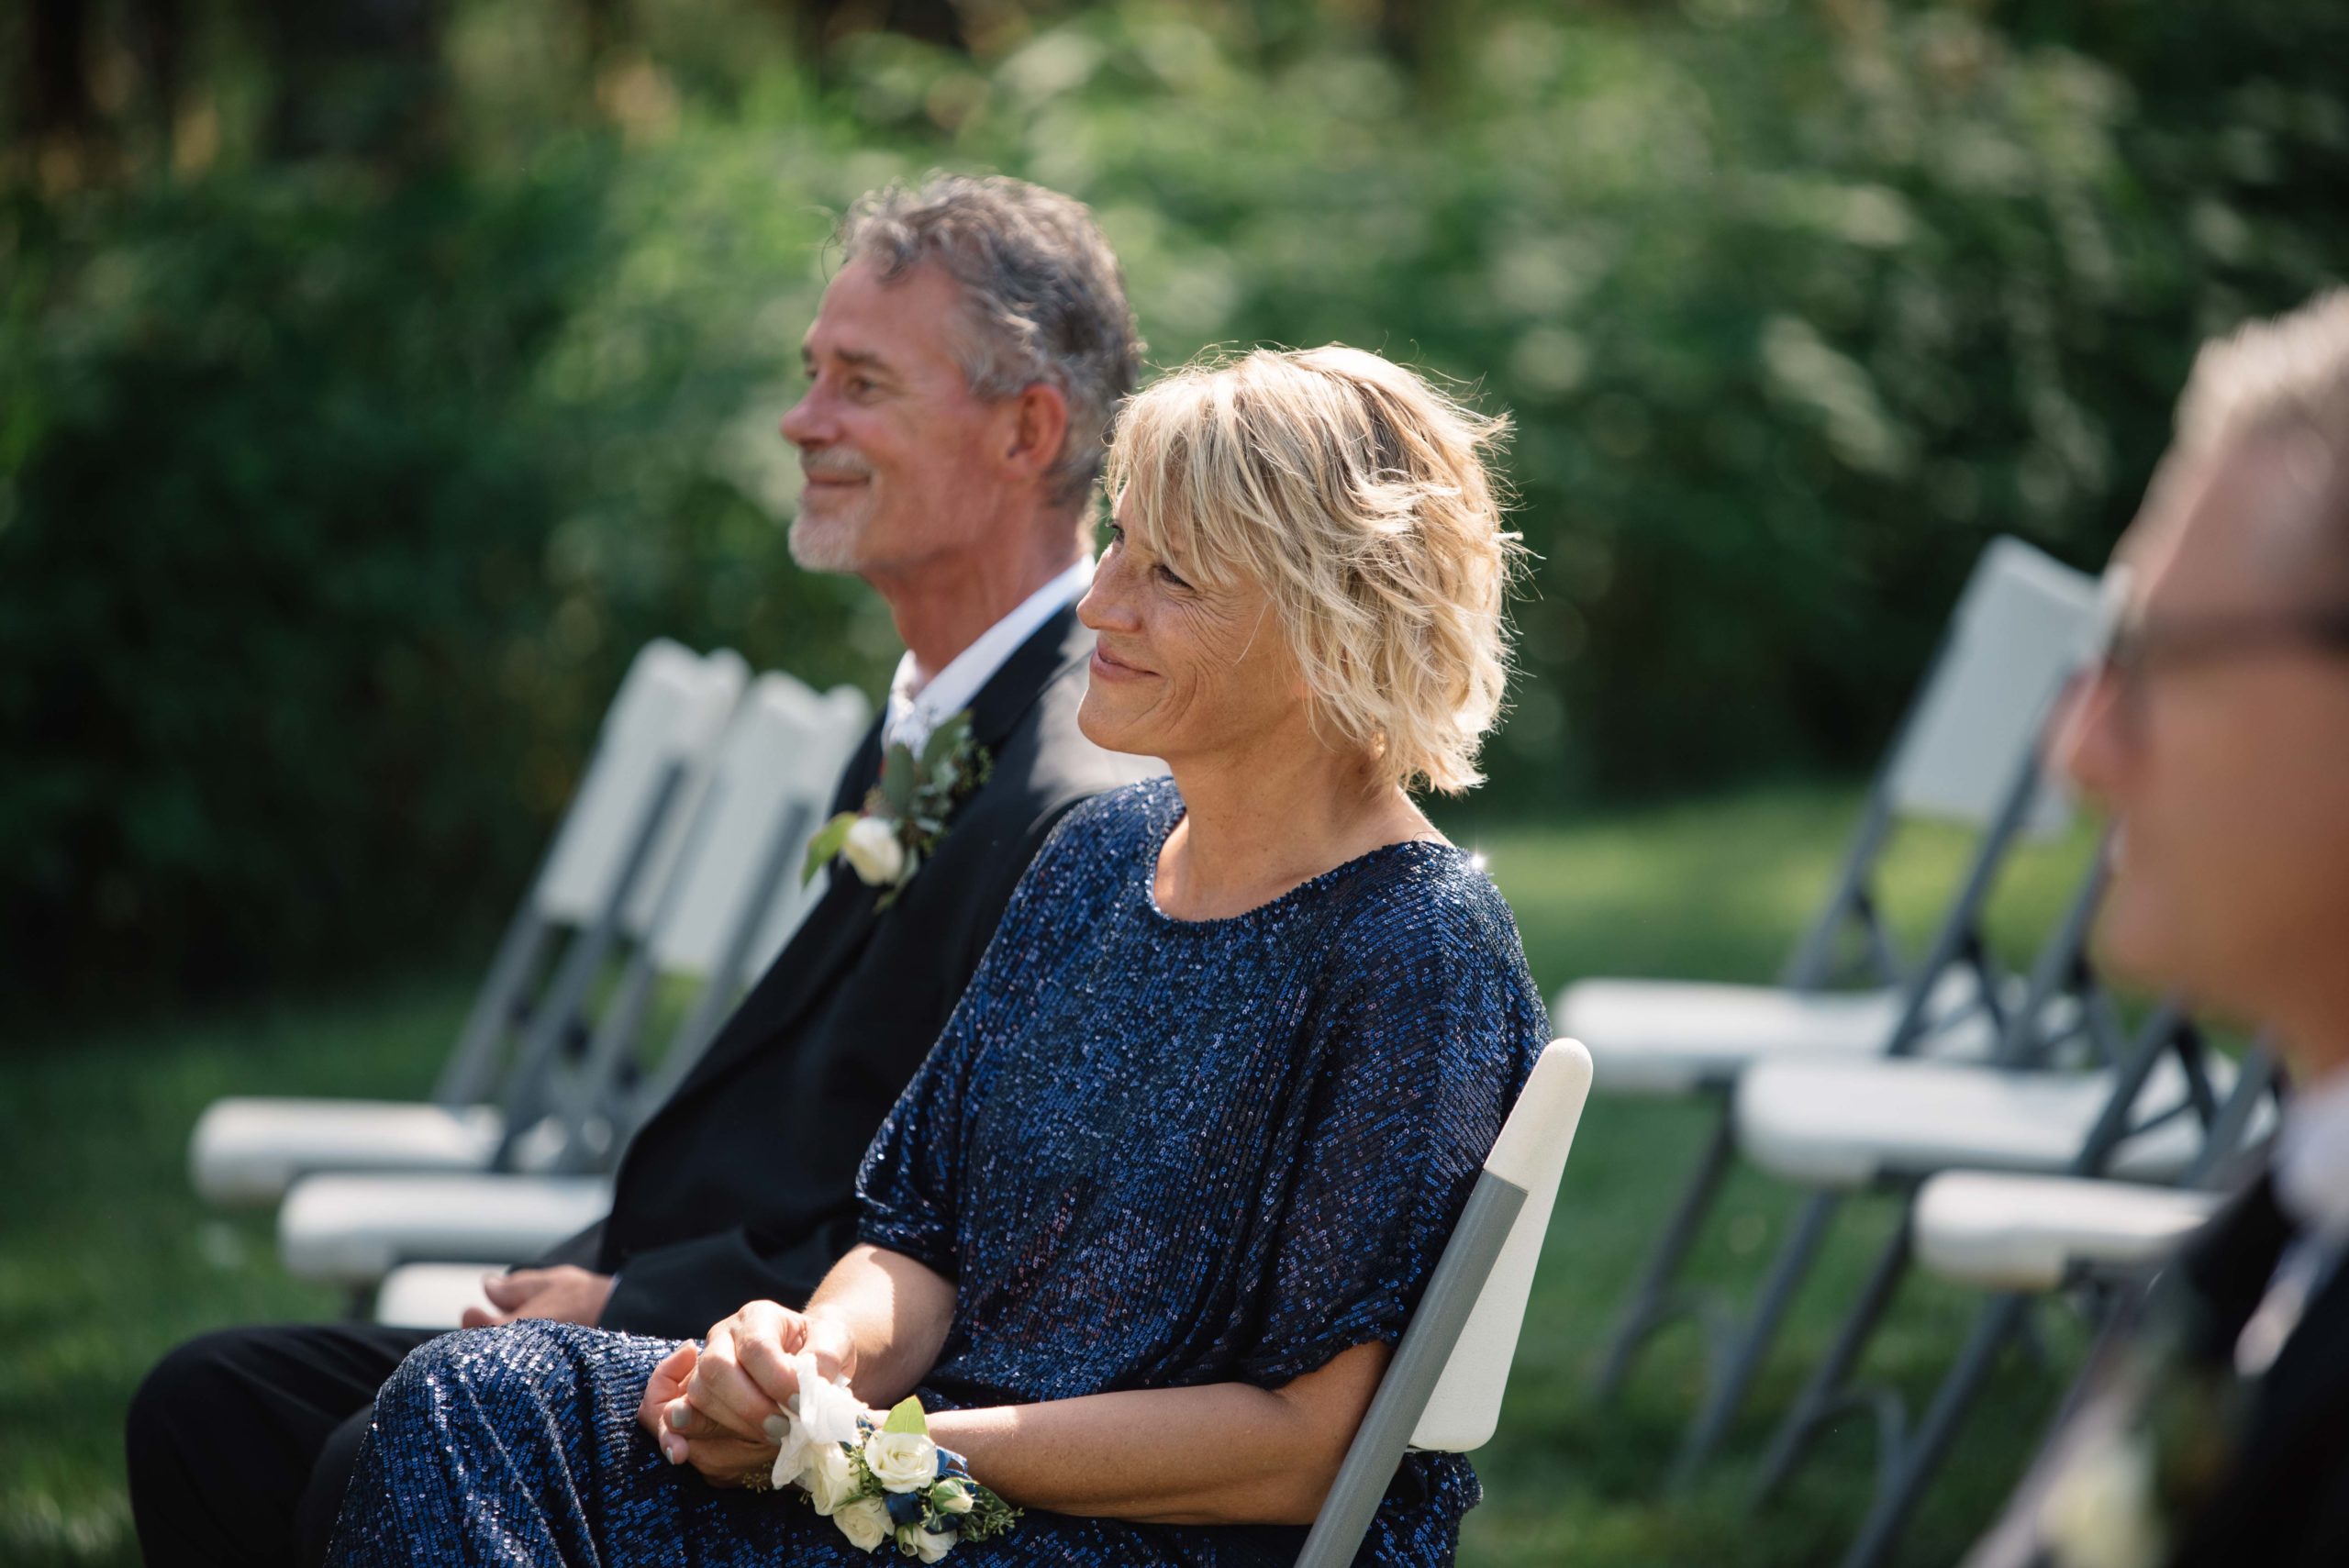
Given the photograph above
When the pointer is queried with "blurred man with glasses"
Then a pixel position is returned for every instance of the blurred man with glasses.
(2216, 735)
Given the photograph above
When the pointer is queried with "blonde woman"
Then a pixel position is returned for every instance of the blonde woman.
(1142, 1231)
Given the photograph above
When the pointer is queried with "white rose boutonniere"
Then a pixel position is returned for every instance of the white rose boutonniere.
(905, 816)
(873, 852)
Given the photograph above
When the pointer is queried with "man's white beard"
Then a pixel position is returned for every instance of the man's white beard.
(826, 544)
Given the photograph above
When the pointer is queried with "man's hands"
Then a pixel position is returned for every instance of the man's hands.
(709, 1407)
(567, 1293)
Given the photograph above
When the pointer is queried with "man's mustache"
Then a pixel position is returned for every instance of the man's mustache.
(834, 465)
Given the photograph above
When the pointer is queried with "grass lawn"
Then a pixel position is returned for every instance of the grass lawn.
(106, 1259)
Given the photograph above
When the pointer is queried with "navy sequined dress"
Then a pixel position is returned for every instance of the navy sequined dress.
(1153, 1154)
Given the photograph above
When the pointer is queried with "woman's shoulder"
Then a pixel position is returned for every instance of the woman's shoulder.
(1430, 906)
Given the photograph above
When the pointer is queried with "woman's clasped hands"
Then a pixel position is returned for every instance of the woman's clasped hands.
(721, 1407)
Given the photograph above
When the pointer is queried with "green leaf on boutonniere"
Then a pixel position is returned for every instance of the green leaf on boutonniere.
(906, 1415)
(938, 753)
(898, 778)
(825, 845)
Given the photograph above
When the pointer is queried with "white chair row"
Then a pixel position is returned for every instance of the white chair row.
(1966, 754)
(589, 891)
(677, 863)
(1999, 1105)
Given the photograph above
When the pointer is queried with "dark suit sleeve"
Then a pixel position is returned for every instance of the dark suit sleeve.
(582, 1249)
(678, 1291)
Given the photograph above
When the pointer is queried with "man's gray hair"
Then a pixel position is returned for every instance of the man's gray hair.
(1046, 298)
(2289, 378)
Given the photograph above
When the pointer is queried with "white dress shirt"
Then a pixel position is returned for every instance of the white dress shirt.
(918, 707)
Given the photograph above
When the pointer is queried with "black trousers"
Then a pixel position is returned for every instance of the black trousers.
(240, 1443)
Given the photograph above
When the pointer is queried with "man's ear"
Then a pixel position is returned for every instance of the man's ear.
(1039, 431)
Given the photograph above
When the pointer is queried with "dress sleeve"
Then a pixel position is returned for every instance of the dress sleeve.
(1429, 1035)
(909, 1185)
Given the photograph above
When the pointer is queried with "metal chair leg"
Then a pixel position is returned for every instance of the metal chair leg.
(1825, 1386)
(1726, 1391)
(1912, 1470)
(1650, 1307)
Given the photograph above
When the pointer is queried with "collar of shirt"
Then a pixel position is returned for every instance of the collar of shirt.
(2312, 1157)
(915, 708)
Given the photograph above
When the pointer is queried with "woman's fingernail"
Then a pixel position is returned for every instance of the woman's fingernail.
(673, 1450)
(676, 1415)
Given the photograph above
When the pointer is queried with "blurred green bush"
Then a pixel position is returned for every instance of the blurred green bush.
(331, 506)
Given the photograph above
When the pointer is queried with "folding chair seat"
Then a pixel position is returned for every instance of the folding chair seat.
(1672, 1038)
(350, 1230)
(733, 891)
(621, 824)
(1997, 1230)
(1441, 1392)
(1846, 1125)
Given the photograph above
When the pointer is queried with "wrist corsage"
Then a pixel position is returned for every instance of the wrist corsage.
(880, 1479)
(903, 816)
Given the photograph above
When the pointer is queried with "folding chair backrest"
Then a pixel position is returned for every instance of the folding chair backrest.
(847, 714)
(774, 774)
(663, 707)
(1529, 1155)
(663, 702)
(1442, 1389)
(754, 804)
(2022, 625)
(694, 743)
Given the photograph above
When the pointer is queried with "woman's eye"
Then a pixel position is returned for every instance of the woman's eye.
(1168, 577)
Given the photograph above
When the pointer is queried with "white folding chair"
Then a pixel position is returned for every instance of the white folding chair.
(1441, 1392)
(1965, 753)
(2019, 1237)
(623, 824)
(775, 771)
(2161, 1108)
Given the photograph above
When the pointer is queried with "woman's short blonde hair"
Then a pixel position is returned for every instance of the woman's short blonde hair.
(1357, 495)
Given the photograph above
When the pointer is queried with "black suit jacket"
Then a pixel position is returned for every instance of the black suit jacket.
(2281, 1498)
(2284, 1502)
(740, 1188)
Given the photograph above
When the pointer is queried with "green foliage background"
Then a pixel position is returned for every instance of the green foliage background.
(333, 500)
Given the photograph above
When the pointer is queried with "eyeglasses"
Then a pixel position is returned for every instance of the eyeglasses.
(2137, 650)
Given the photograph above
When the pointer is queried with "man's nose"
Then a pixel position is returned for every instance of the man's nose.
(2085, 744)
(805, 423)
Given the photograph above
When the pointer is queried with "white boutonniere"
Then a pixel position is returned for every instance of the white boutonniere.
(905, 815)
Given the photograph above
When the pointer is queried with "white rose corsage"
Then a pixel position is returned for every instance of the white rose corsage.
(903, 816)
(880, 1479)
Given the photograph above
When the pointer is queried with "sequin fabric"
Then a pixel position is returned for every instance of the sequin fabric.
(1153, 1154)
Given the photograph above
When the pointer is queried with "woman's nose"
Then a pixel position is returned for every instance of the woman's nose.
(1106, 606)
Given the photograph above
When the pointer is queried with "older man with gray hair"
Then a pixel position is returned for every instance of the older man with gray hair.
(961, 375)
(2217, 736)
